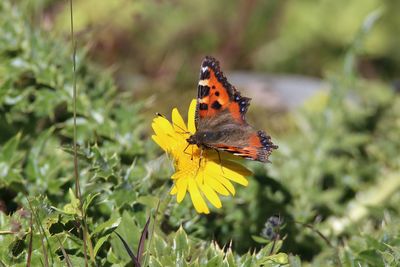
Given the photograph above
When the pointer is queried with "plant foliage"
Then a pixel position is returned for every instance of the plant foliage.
(334, 182)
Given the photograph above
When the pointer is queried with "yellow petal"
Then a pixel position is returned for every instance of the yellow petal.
(166, 142)
(165, 134)
(182, 186)
(198, 201)
(178, 175)
(191, 116)
(211, 195)
(225, 183)
(231, 171)
(161, 142)
(215, 185)
(174, 190)
(162, 126)
(236, 167)
(178, 123)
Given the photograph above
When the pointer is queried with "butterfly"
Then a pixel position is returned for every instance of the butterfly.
(220, 118)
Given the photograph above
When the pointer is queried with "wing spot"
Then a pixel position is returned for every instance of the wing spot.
(216, 105)
(204, 91)
(265, 141)
(213, 87)
(217, 93)
(203, 106)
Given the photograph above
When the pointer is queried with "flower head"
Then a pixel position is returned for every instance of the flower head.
(204, 176)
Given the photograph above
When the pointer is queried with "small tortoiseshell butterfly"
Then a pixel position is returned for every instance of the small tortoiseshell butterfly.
(220, 117)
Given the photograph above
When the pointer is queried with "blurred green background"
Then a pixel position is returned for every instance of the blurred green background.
(324, 78)
(154, 48)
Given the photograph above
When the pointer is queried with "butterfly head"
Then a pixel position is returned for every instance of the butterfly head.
(192, 140)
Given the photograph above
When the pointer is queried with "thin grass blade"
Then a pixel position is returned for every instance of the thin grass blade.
(128, 249)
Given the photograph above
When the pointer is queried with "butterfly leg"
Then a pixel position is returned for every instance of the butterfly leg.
(201, 156)
(191, 154)
(200, 159)
(184, 151)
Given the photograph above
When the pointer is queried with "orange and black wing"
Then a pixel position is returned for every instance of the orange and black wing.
(258, 146)
(216, 94)
(221, 110)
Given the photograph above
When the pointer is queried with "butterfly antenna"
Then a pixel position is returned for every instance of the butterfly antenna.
(183, 130)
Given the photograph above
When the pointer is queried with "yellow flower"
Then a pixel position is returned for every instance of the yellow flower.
(203, 178)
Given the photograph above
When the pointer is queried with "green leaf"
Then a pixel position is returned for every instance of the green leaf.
(280, 258)
(371, 257)
(230, 258)
(89, 200)
(72, 207)
(107, 226)
(181, 243)
(260, 239)
(99, 243)
(9, 149)
(294, 261)
(149, 201)
(216, 261)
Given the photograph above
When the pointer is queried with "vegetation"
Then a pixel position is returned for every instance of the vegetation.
(329, 198)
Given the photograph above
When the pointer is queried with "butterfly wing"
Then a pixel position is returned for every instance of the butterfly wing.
(254, 145)
(220, 117)
(216, 94)
(222, 132)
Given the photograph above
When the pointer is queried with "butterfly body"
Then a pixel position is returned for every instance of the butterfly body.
(220, 117)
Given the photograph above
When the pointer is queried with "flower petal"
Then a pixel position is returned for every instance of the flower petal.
(191, 116)
(161, 142)
(211, 195)
(182, 186)
(162, 126)
(215, 185)
(225, 182)
(236, 167)
(178, 175)
(178, 122)
(229, 170)
(174, 190)
(198, 201)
